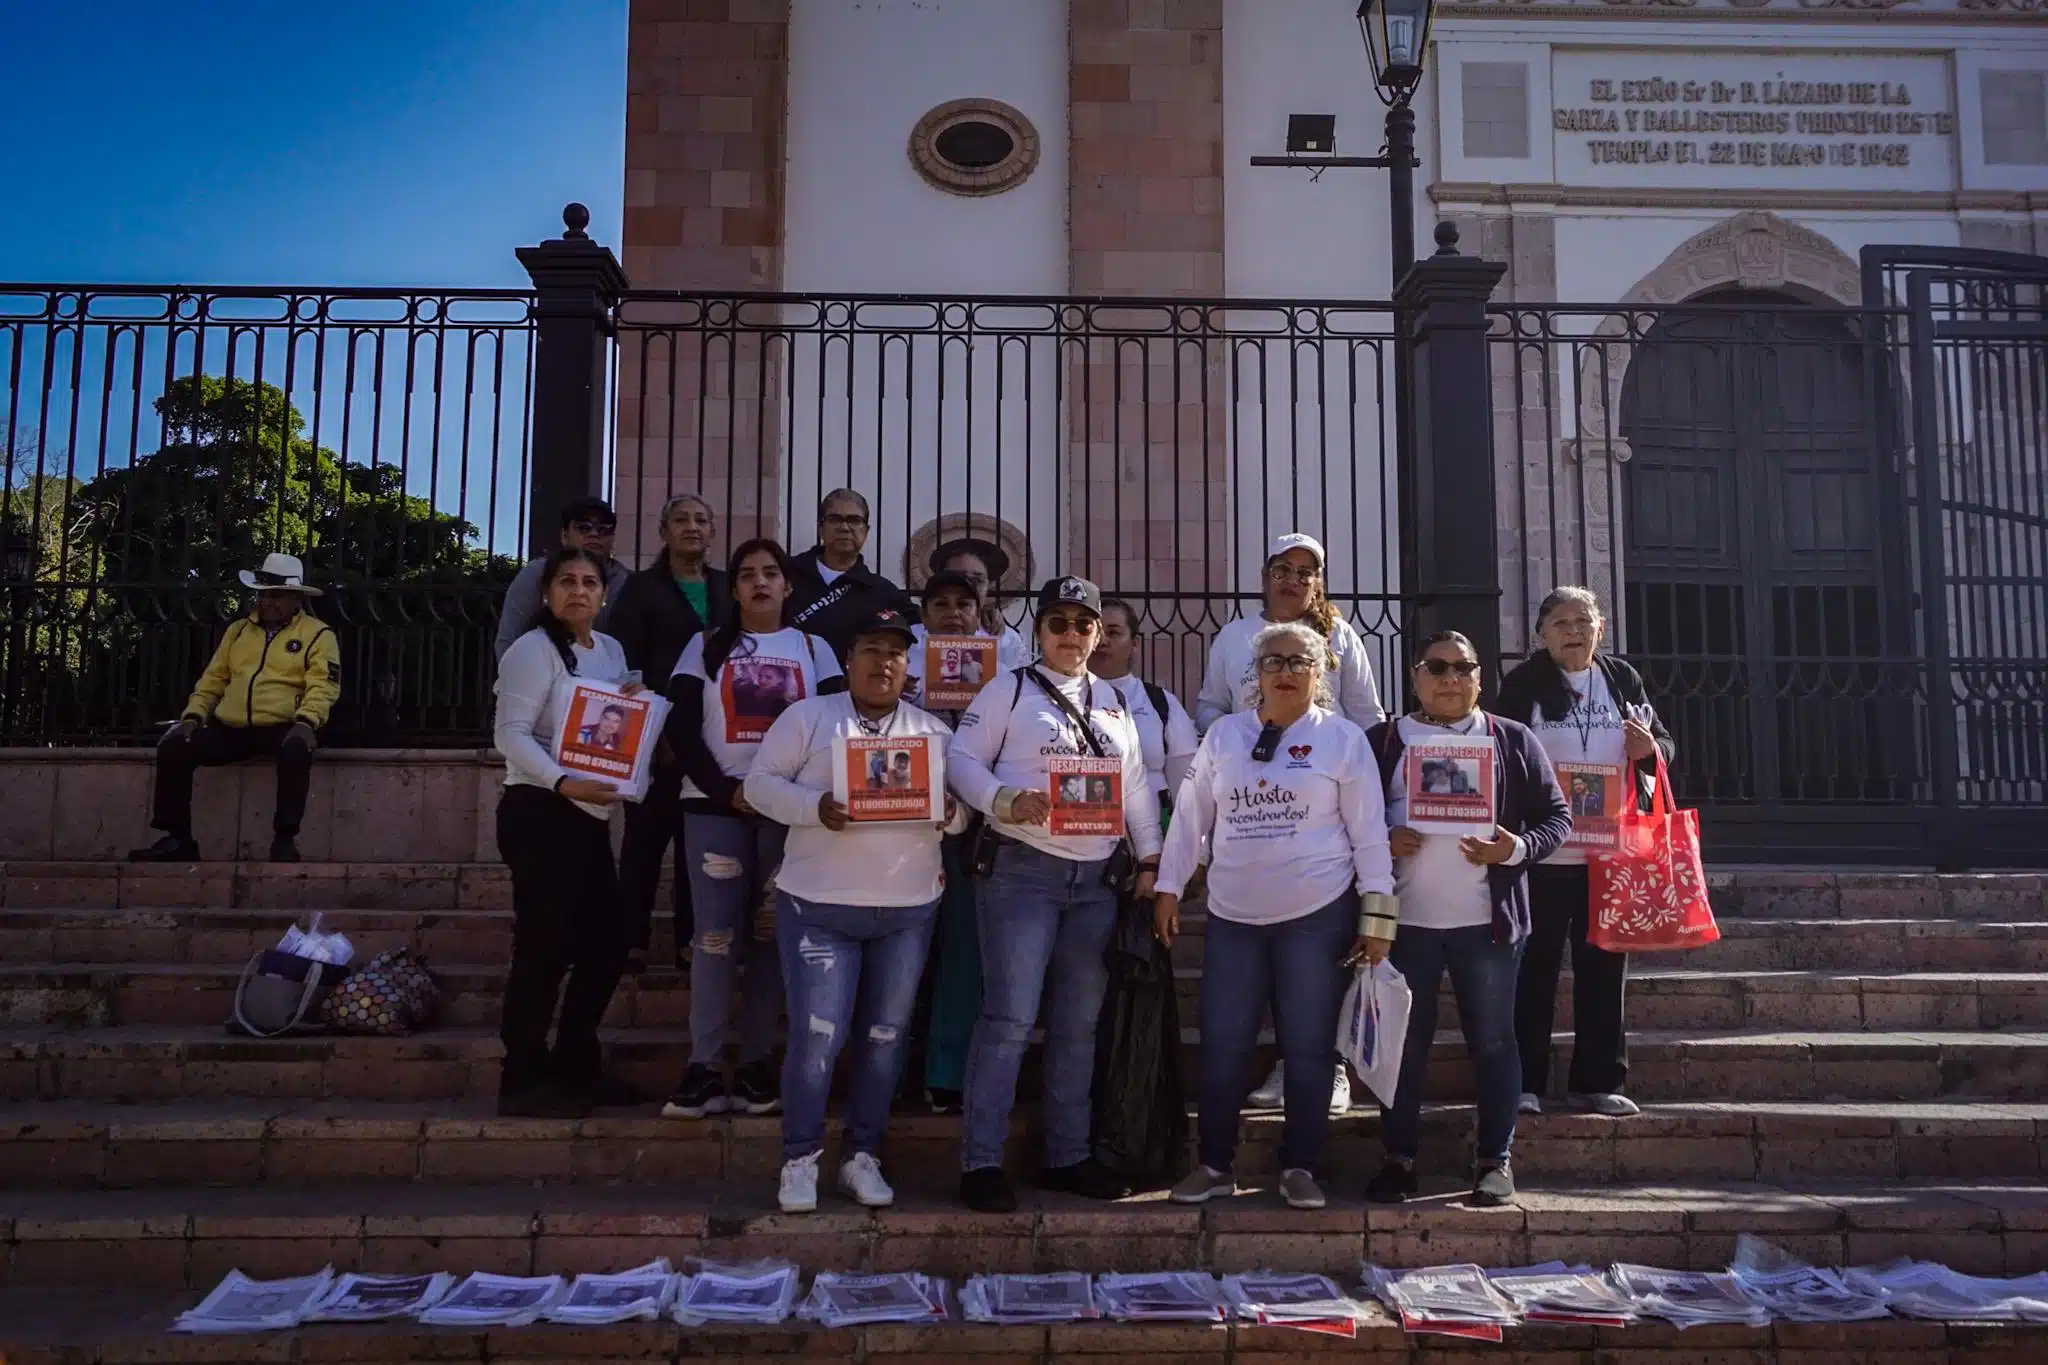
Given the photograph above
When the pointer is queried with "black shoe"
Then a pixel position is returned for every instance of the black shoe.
(172, 848)
(987, 1190)
(1395, 1184)
(944, 1101)
(756, 1089)
(1494, 1188)
(284, 849)
(701, 1092)
(609, 1092)
(1088, 1178)
(544, 1101)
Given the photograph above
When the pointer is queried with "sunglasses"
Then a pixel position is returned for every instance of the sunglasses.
(1066, 625)
(1286, 663)
(1437, 668)
(594, 528)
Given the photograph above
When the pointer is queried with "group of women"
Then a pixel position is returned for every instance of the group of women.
(1283, 793)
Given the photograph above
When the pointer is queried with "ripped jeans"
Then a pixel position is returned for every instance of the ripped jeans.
(731, 860)
(842, 963)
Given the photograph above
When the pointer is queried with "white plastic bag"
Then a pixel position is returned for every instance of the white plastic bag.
(333, 949)
(1373, 1025)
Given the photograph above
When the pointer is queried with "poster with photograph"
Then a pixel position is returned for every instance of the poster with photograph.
(955, 668)
(753, 691)
(1594, 792)
(1087, 796)
(883, 778)
(1450, 785)
(610, 736)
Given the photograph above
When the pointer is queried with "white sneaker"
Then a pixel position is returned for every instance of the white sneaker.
(860, 1179)
(1272, 1093)
(1528, 1104)
(798, 1192)
(1340, 1102)
(1613, 1106)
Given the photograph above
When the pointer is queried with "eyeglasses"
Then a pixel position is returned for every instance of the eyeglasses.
(1287, 573)
(1437, 668)
(1066, 625)
(594, 528)
(849, 521)
(1286, 663)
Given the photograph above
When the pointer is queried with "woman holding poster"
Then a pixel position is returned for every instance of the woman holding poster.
(1049, 877)
(1591, 712)
(855, 899)
(1287, 798)
(1472, 804)
(730, 686)
(554, 834)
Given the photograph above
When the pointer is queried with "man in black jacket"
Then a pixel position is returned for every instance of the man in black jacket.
(834, 589)
(656, 613)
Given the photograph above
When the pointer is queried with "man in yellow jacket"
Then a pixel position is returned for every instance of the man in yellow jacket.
(267, 690)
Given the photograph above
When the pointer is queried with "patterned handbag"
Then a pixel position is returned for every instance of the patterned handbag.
(390, 995)
(1650, 893)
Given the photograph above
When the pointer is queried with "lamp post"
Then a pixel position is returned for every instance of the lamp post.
(1396, 36)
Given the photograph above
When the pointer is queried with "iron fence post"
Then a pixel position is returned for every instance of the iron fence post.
(577, 284)
(1945, 761)
(1450, 553)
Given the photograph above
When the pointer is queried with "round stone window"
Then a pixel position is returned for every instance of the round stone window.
(974, 147)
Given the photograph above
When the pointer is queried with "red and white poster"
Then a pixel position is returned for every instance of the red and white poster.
(956, 667)
(755, 690)
(1087, 796)
(1450, 785)
(886, 778)
(1594, 791)
(610, 736)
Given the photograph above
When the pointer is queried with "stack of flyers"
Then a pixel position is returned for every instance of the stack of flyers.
(838, 1300)
(641, 1294)
(240, 1304)
(1171, 1296)
(1559, 1293)
(1924, 1289)
(381, 1298)
(1449, 1300)
(1686, 1298)
(1810, 1294)
(1063, 1297)
(496, 1301)
(760, 1291)
(1309, 1303)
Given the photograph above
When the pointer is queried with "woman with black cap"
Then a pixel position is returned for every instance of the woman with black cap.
(984, 564)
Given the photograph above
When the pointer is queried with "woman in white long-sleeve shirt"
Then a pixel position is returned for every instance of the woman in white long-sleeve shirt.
(1166, 732)
(1288, 799)
(554, 835)
(1046, 906)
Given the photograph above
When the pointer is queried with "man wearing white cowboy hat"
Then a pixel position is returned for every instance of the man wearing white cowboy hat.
(266, 691)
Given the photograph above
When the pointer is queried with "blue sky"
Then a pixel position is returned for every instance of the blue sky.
(365, 142)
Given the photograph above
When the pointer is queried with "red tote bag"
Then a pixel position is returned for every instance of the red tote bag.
(1650, 894)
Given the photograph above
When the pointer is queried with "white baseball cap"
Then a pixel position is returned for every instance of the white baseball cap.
(1295, 540)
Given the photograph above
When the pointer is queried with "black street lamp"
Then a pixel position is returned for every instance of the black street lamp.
(1396, 36)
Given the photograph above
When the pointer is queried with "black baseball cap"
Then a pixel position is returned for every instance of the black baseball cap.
(1069, 591)
(887, 621)
(950, 578)
(588, 509)
(987, 551)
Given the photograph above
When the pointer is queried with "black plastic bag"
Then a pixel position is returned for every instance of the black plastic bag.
(1140, 1101)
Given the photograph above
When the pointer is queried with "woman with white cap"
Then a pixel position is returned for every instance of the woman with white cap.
(1292, 588)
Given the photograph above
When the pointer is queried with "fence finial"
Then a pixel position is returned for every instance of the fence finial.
(1446, 238)
(575, 218)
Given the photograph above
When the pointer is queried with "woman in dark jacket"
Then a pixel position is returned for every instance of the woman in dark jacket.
(1594, 720)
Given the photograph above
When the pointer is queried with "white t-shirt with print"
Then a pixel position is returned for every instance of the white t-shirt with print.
(1588, 733)
(764, 676)
(1230, 682)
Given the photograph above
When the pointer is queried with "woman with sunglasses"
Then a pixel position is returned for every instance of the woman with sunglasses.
(1591, 712)
(1047, 901)
(1287, 798)
(1464, 909)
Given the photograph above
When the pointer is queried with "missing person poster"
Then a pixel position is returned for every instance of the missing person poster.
(1087, 796)
(1594, 791)
(753, 691)
(1450, 785)
(955, 668)
(887, 778)
(610, 736)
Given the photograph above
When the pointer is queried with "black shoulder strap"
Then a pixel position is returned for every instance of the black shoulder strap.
(1387, 749)
(1158, 696)
(1066, 707)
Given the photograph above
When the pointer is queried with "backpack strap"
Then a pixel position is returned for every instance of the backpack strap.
(1158, 696)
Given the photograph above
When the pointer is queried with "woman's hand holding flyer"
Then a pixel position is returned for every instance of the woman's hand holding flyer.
(606, 739)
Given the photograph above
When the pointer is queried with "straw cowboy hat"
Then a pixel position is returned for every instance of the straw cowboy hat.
(281, 573)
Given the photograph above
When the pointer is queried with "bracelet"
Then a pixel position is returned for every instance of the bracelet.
(1379, 915)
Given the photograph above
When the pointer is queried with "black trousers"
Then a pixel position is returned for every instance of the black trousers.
(651, 825)
(566, 923)
(1558, 899)
(178, 757)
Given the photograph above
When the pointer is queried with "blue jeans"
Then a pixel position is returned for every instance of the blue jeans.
(839, 960)
(1483, 978)
(1044, 922)
(1297, 967)
(730, 860)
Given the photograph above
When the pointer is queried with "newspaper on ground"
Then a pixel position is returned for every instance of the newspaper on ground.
(839, 1300)
(1926, 1289)
(1448, 1300)
(1308, 1303)
(1065, 1296)
(357, 1297)
(641, 1294)
(1686, 1298)
(240, 1304)
(485, 1300)
(1792, 1290)
(1168, 1296)
(1556, 1292)
(757, 1291)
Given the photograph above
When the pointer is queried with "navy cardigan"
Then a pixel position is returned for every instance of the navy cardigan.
(1530, 802)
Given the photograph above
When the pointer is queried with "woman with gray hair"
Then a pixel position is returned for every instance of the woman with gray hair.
(1288, 799)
